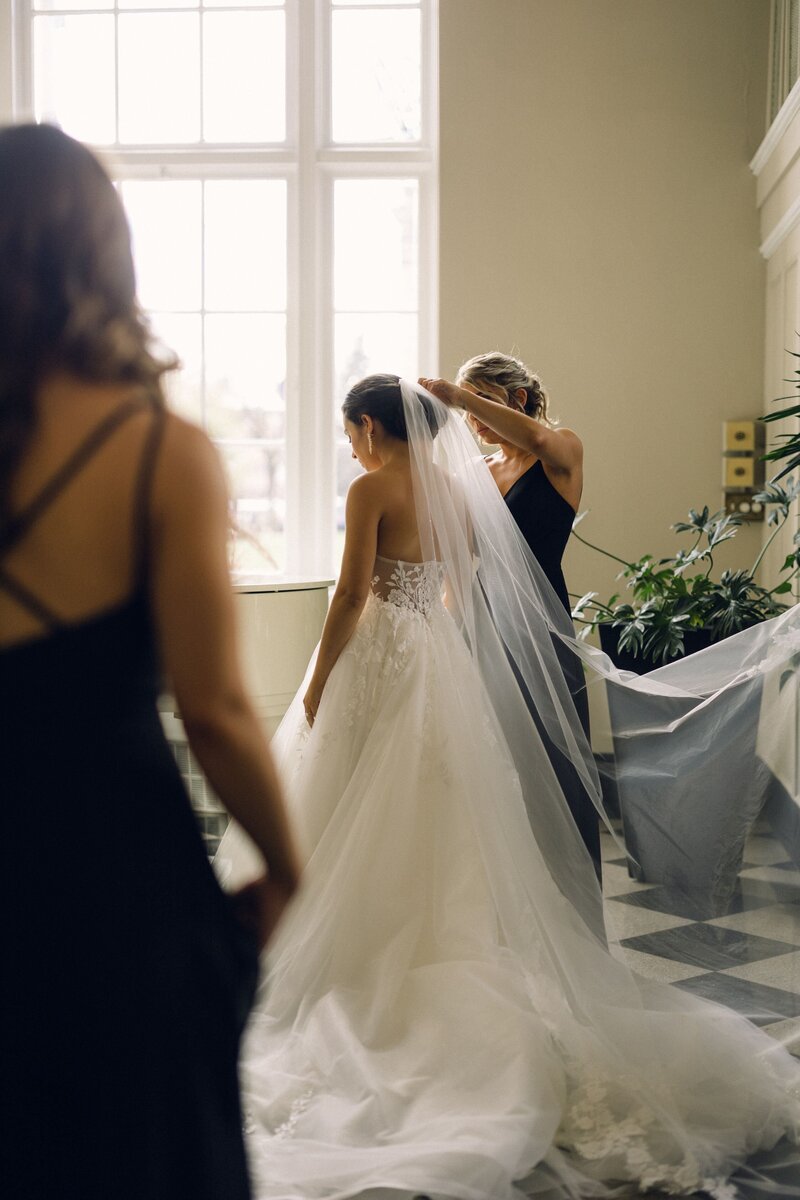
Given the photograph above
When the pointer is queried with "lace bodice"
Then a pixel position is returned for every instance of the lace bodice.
(415, 586)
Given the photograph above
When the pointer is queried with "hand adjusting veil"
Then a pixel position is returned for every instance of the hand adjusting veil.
(693, 1072)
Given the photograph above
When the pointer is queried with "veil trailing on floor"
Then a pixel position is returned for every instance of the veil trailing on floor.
(716, 733)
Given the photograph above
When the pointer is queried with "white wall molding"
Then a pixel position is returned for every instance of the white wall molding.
(786, 114)
(6, 61)
(789, 220)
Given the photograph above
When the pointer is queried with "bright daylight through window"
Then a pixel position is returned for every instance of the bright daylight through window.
(277, 162)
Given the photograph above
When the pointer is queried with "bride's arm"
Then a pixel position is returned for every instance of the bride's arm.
(362, 515)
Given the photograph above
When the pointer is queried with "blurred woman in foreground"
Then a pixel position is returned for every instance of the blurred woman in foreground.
(128, 974)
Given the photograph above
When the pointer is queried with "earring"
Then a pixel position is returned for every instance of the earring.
(369, 441)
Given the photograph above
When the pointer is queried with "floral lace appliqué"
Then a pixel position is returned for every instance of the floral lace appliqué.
(596, 1129)
(286, 1128)
(411, 586)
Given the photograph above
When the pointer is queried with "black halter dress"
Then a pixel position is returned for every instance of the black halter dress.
(126, 980)
(545, 520)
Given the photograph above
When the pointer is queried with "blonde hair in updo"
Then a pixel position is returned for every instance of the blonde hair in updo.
(509, 373)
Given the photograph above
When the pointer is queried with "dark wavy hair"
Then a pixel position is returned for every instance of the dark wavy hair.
(67, 285)
(379, 397)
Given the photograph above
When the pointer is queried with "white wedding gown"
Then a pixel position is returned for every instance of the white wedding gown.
(436, 1018)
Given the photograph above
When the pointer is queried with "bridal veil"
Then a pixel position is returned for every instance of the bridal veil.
(727, 716)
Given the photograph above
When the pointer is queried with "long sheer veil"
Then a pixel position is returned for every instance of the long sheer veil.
(507, 612)
(683, 1057)
(702, 744)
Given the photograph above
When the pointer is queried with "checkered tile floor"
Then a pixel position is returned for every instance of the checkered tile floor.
(748, 959)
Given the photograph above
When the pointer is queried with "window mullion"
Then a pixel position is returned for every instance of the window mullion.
(428, 275)
(312, 456)
(294, 350)
(203, 389)
(429, 195)
(323, 290)
(16, 71)
(325, 406)
(116, 70)
(295, 480)
(200, 73)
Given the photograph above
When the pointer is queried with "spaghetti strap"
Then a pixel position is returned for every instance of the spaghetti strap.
(141, 499)
(26, 598)
(23, 521)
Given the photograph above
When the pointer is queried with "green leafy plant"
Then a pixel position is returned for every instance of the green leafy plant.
(790, 442)
(670, 596)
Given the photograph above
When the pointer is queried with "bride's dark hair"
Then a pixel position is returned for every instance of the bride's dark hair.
(67, 287)
(379, 397)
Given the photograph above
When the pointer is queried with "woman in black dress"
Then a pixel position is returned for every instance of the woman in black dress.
(127, 974)
(539, 471)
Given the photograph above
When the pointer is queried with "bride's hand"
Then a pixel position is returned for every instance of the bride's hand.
(443, 390)
(259, 906)
(311, 700)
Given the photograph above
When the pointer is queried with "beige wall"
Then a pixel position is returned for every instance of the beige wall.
(598, 215)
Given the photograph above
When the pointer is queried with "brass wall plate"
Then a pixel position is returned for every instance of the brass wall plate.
(738, 473)
(742, 437)
(743, 505)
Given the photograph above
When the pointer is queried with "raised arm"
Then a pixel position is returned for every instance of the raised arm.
(194, 611)
(559, 449)
(362, 517)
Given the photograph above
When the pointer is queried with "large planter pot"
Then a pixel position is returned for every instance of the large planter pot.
(693, 640)
(686, 805)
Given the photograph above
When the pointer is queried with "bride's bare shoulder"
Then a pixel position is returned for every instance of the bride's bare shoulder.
(367, 489)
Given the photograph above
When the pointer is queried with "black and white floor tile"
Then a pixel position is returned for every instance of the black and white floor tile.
(748, 959)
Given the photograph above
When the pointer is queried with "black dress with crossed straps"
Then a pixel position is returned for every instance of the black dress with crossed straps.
(545, 519)
(126, 980)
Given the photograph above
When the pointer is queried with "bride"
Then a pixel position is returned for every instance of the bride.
(441, 1014)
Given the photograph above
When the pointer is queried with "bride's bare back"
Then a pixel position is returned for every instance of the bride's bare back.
(398, 530)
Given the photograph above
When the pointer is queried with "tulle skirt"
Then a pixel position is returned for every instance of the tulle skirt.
(435, 1018)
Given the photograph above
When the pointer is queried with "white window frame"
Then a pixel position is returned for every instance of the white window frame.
(310, 162)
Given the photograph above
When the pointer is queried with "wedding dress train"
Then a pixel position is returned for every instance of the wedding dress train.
(437, 1017)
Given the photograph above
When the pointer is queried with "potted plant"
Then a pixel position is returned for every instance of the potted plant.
(676, 606)
(791, 441)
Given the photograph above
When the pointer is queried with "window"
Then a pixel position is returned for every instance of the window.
(277, 162)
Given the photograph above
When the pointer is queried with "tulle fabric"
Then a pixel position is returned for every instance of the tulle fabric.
(702, 745)
(441, 1013)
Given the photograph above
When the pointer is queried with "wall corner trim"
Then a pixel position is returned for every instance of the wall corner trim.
(786, 114)
(784, 227)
